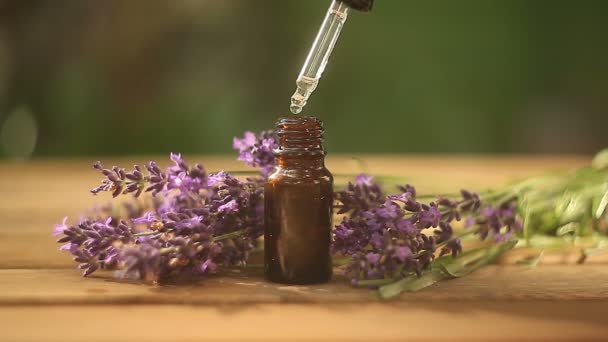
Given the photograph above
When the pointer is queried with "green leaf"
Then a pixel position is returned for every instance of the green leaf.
(375, 282)
(412, 283)
(598, 211)
(446, 268)
(568, 228)
(572, 206)
(600, 161)
(474, 264)
(531, 261)
(458, 266)
(337, 262)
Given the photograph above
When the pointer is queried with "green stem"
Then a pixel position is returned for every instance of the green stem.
(146, 233)
(168, 250)
(228, 235)
(376, 282)
(341, 261)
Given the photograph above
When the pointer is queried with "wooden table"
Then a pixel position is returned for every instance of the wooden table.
(42, 297)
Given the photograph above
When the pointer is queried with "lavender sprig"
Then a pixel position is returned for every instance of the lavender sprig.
(179, 176)
(203, 222)
(257, 150)
(359, 196)
(387, 240)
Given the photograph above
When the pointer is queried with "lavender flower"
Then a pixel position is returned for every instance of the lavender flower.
(257, 150)
(384, 234)
(91, 242)
(147, 218)
(386, 241)
(179, 176)
(61, 227)
(202, 222)
(498, 222)
(186, 179)
(360, 196)
(142, 261)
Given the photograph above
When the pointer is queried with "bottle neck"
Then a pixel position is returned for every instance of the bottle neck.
(285, 162)
(300, 142)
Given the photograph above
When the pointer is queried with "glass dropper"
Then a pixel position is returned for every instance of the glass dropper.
(319, 55)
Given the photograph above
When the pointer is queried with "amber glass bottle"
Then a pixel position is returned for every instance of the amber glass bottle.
(298, 202)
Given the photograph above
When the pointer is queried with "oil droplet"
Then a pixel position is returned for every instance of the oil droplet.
(295, 109)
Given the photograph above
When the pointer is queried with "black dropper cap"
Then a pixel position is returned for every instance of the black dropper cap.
(360, 5)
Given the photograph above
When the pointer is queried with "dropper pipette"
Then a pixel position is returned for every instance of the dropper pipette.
(321, 49)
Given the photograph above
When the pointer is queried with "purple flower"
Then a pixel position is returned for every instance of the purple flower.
(389, 210)
(141, 262)
(406, 226)
(147, 218)
(384, 236)
(230, 207)
(408, 189)
(188, 223)
(69, 247)
(208, 266)
(373, 258)
(430, 216)
(403, 253)
(177, 236)
(500, 222)
(363, 195)
(157, 178)
(217, 178)
(471, 201)
(119, 181)
(350, 237)
(257, 150)
(453, 247)
(408, 198)
(376, 240)
(444, 233)
(59, 228)
(87, 261)
(364, 180)
(180, 176)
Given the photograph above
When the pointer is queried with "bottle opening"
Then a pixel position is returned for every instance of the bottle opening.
(300, 136)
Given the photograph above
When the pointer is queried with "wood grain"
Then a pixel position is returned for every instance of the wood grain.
(505, 283)
(395, 321)
(501, 302)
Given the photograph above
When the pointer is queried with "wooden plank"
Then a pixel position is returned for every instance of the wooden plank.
(508, 283)
(453, 321)
(508, 302)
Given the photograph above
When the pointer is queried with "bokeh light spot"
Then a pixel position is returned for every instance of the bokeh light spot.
(18, 134)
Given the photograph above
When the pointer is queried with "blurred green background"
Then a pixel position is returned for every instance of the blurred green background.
(118, 77)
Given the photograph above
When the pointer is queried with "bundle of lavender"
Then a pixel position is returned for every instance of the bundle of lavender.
(198, 222)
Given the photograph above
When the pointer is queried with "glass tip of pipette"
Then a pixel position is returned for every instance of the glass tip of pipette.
(295, 109)
(298, 101)
(304, 87)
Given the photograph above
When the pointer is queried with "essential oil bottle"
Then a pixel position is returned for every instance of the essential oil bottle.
(298, 205)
